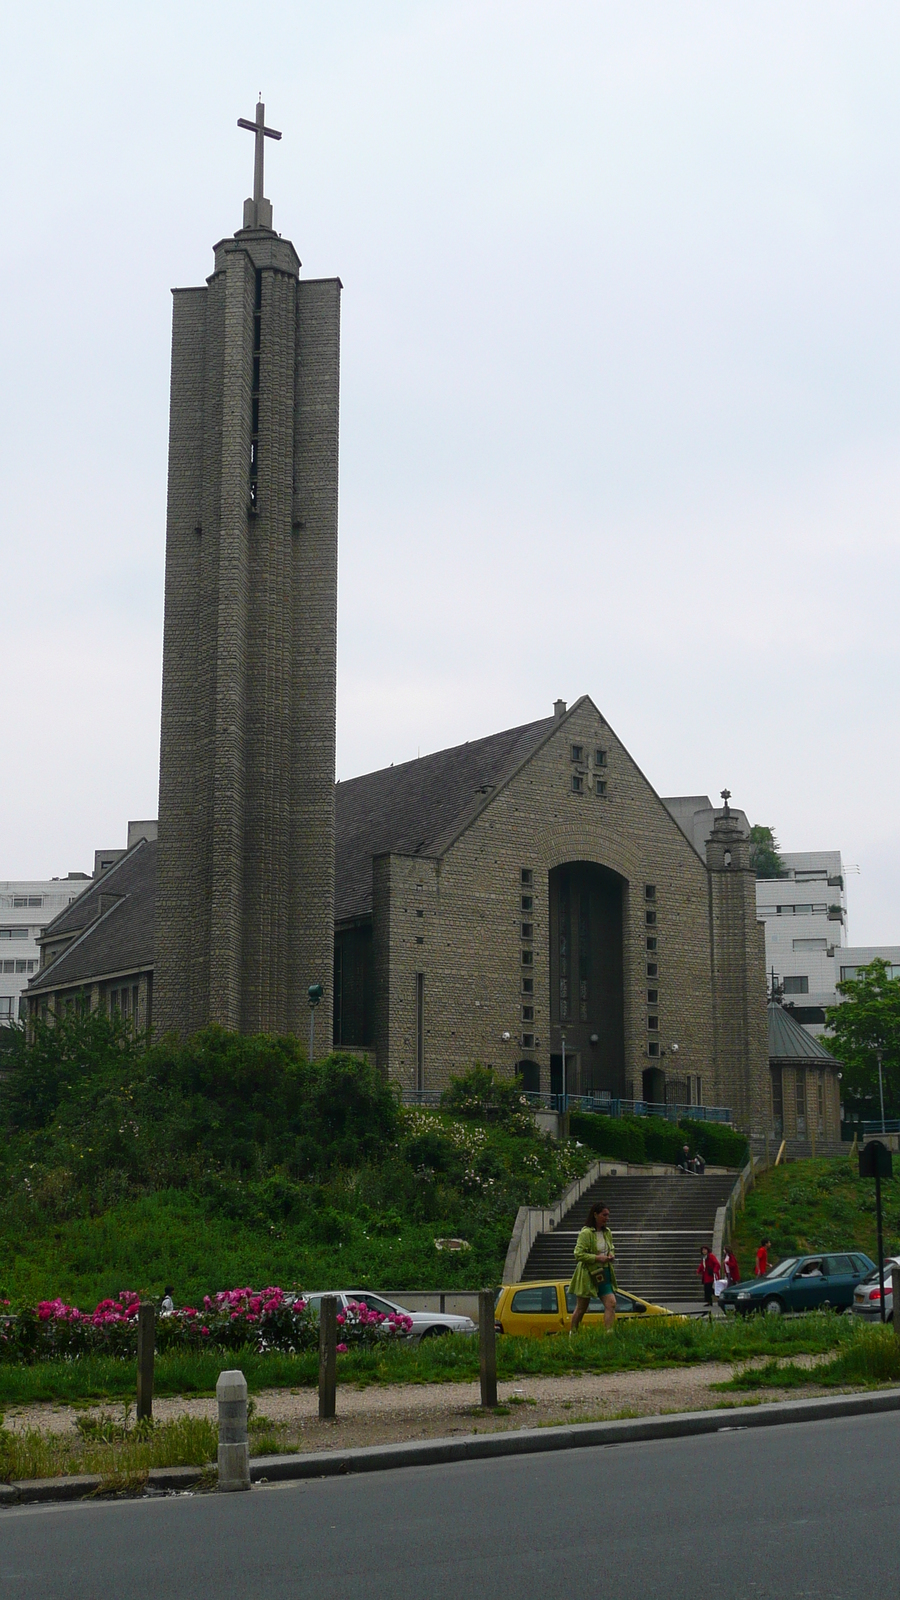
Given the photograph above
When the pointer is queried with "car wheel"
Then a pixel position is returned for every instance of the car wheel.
(435, 1333)
(773, 1307)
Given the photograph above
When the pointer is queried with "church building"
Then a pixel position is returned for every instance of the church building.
(528, 898)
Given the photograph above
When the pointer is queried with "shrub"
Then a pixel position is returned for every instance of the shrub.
(479, 1093)
(235, 1319)
(619, 1137)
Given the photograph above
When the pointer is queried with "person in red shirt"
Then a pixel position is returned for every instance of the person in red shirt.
(708, 1271)
(729, 1262)
(762, 1258)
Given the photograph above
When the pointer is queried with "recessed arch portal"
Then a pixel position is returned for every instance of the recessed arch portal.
(587, 991)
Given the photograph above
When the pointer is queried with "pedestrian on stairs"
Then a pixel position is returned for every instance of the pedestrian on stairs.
(594, 1273)
(708, 1271)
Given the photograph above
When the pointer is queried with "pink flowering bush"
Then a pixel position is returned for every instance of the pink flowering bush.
(264, 1319)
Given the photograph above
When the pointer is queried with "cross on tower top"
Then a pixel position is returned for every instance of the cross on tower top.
(726, 796)
(258, 211)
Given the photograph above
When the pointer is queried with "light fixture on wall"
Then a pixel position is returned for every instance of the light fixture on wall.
(506, 1037)
(595, 1038)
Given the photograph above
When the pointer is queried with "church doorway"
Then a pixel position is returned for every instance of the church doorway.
(530, 1074)
(653, 1086)
(587, 993)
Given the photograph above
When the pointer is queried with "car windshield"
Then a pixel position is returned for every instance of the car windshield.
(784, 1268)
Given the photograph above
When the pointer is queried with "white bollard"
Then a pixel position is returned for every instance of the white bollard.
(234, 1449)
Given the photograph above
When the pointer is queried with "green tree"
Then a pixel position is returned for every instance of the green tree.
(868, 1019)
(764, 854)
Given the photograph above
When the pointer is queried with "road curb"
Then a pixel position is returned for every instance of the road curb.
(575, 1436)
(481, 1446)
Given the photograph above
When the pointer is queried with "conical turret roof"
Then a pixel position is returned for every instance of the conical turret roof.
(789, 1042)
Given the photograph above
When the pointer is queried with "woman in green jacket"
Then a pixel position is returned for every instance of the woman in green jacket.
(595, 1273)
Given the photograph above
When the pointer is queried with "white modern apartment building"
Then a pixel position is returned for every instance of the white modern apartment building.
(854, 956)
(805, 917)
(25, 909)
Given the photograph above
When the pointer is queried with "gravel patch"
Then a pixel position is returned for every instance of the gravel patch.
(396, 1413)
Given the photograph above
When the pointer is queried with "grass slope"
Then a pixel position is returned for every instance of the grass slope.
(816, 1205)
(232, 1161)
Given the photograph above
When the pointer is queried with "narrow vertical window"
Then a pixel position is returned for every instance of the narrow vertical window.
(420, 1030)
(254, 396)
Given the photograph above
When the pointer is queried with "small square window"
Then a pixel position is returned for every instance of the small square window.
(652, 969)
(420, 938)
(419, 911)
(649, 891)
(653, 1047)
(599, 758)
(528, 986)
(600, 786)
(577, 752)
(577, 783)
(528, 1013)
(528, 958)
(527, 902)
(653, 1024)
(652, 997)
(650, 918)
(651, 941)
(528, 1041)
(527, 930)
(527, 877)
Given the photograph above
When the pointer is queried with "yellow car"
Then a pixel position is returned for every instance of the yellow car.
(537, 1310)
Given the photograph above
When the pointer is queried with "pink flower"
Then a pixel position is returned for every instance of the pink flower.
(204, 1330)
(341, 1349)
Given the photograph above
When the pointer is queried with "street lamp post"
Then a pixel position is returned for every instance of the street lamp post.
(565, 1086)
(880, 1088)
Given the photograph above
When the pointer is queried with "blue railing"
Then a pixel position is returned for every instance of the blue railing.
(890, 1125)
(604, 1105)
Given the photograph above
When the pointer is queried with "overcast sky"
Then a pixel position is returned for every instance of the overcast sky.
(620, 407)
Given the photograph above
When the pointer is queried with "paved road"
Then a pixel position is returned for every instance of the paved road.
(809, 1511)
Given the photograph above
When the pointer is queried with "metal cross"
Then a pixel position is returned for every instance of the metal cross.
(262, 133)
(726, 796)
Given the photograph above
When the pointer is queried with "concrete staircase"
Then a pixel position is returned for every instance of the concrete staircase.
(658, 1223)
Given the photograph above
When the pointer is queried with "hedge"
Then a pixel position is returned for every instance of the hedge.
(642, 1139)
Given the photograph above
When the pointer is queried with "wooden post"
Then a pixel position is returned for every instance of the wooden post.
(487, 1345)
(146, 1349)
(327, 1356)
(895, 1298)
(234, 1447)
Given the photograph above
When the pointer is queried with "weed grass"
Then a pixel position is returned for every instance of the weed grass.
(660, 1342)
(870, 1357)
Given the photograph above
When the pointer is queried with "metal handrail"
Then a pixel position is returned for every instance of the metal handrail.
(604, 1104)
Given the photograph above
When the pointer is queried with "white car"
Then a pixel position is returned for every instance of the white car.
(425, 1324)
(867, 1295)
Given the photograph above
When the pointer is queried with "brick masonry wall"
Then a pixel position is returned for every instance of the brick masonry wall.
(457, 919)
(471, 920)
(246, 819)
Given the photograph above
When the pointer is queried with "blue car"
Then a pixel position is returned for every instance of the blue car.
(801, 1283)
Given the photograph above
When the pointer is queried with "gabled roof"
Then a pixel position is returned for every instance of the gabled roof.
(418, 808)
(117, 935)
(789, 1042)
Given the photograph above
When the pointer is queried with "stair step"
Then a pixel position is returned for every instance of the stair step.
(658, 1223)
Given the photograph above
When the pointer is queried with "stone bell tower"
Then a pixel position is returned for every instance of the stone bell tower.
(738, 973)
(246, 797)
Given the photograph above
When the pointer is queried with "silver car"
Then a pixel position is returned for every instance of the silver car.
(425, 1324)
(867, 1295)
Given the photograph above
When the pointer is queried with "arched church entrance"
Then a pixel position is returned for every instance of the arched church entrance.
(530, 1074)
(587, 991)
